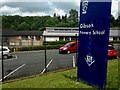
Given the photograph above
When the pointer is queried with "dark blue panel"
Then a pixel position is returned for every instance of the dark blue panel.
(93, 42)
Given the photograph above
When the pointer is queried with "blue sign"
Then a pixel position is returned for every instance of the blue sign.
(93, 41)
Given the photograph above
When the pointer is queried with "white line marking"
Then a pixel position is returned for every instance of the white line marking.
(46, 66)
(13, 71)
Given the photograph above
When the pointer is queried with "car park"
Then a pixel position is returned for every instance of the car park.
(6, 52)
(69, 47)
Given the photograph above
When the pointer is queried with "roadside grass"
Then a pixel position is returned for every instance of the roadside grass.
(113, 79)
(65, 79)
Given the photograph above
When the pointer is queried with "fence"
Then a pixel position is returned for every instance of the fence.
(28, 63)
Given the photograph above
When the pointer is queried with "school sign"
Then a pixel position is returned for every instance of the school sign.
(93, 41)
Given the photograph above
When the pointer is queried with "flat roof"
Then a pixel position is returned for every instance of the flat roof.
(61, 31)
(65, 28)
(7, 32)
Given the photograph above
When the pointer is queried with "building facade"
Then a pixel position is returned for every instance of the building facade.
(22, 38)
(60, 34)
(66, 33)
(36, 38)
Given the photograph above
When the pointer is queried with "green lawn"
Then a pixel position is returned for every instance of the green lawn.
(65, 79)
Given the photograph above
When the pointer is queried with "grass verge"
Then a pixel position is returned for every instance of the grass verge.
(65, 79)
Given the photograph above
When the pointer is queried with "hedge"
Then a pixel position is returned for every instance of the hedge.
(29, 48)
(56, 43)
(49, 45)
(114, 41)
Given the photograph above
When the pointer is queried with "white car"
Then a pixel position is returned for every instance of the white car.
(6, 52)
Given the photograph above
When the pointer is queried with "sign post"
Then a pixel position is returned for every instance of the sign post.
(93, 41)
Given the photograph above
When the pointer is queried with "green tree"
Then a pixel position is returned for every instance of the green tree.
(5, 22)
(112, 21)
(33, 26)
(61, 24)
(51, 21)
(24, 26)
(118, 21)
(73, 15)
(73, 18)
(0, 21)
(13, 27)
(59, 18)
(55, 15)
(64, 18)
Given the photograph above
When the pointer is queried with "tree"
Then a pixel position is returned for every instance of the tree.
(118, 21)
(33, 26)
(0, 21)
(55, 15)
(73, 18)
(59, 18)
(24, 26)
(13, 27)
(112, 21)
(64, 18)
(73, 15)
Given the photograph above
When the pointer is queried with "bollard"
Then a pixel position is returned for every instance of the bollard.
(73, 61)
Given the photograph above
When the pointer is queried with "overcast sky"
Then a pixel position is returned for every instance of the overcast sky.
(48, 7)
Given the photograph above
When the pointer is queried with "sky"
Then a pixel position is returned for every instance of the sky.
(48, 7)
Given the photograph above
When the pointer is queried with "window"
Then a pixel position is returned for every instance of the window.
(67, 38)
(24, 37)
(61, 38)
(115, 38)
(73, 45)
(67, 45)
(4, 49)
(73, 38)
(110, 48)
(37, 38)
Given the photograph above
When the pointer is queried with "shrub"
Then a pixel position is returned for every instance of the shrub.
(56, 43)
(28, 48)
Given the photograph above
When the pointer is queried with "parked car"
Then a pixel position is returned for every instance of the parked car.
(69, 48)
(112, 53)
(6, 52)
(72, 47)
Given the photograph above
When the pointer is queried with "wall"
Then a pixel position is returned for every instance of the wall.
(25, 41)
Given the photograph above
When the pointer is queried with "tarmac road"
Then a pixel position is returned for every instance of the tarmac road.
(33, 62)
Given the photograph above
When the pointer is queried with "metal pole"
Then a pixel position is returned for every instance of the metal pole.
(45, 55)
(77, 50)
(2, 59)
